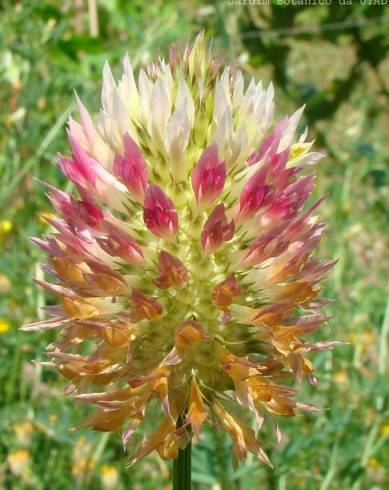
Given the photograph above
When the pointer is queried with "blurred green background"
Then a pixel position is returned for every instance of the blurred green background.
(331, 57)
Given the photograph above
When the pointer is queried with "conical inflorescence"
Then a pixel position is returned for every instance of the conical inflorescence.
(184, 263)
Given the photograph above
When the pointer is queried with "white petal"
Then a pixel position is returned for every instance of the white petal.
(222, 100)
(288, 135)
(184, 101)
(304, 135)
(238, 89)
(145, 88)
(109, 85)
(128, 90)
(160, 107)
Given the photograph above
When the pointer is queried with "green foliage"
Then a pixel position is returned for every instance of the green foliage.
(333, 58)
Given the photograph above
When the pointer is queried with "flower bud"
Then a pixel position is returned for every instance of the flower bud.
(208, 176)
(172, 272)
(131, 168)
(144, 307)
(216, 230)
(159, 213)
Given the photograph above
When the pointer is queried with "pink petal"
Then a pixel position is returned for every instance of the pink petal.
(159, 213)
(270, 144)
(118, 243)
(216, 230)
(253, 195)
(131, 168)
(81, 172)
(208, 176)
(89, 213)
(84, 211)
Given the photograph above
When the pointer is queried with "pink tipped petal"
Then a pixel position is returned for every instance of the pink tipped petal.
(208, 176)
(87, 123)
(131, 168)
(76, 131)
(62, 202)
(300, 189)
(49, 245)
(118, 243)
(269, 244)
(84, 211)
(270, 144)
(254, 195)
(89, 213)
(91, 178)
(282, 208)
(216, 230)
(159, 213)
(79, 171)
(287, 204)
(278, 175)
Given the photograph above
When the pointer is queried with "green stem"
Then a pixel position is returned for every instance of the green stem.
(182, 466)
(182, 469)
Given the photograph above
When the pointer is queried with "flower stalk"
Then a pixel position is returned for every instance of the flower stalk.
(182, 466)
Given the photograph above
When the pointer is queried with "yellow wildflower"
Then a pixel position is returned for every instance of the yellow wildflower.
(18, 462)
(83, 460)
(341, 376)
(363, 339)
(5, 284)
(109, 476)
(4, 326)
(373, 463)
(5, 226)
(23, 432)
(385, 430)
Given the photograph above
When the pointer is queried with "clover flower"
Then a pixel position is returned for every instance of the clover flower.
(184, 265)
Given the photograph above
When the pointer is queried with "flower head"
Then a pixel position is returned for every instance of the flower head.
(184, 265)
